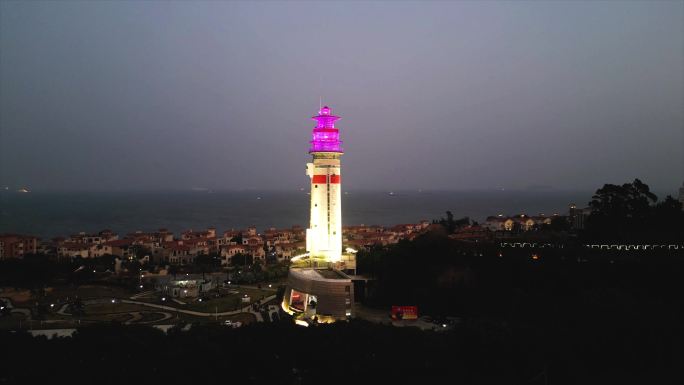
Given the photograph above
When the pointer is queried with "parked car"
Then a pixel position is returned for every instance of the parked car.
(235, 324)
(441, 321)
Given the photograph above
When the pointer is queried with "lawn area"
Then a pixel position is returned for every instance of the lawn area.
(105, 311)
(245, 318)
(154, 298)
(118, 312)
(90, 291)
(120, 317)
(152, 316)
(12, 321)
(80, 321)
(112, 308)
(100, 312)
(17, 321)
(229, 302)
(61, 293)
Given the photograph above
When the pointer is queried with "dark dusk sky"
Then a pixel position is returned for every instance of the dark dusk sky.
(111, 95)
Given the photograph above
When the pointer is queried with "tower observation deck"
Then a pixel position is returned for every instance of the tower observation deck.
(326, 138)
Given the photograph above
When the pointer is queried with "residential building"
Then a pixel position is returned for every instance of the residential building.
(16, 246)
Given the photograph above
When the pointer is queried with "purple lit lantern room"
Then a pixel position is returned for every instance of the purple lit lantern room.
(326, 138)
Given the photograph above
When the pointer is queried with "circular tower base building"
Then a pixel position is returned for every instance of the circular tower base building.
(323, 295)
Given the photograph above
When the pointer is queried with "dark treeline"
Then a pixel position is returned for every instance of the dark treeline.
(591, 316)
(481, 351)
(586, 312)
(482, 279)
(632, 213)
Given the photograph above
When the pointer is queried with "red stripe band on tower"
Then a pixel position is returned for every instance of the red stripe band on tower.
(319, 179)
(335, 179)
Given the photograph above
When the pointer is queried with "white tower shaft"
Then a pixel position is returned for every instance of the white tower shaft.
(324, 235)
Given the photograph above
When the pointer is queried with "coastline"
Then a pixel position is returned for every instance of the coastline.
(51, 214)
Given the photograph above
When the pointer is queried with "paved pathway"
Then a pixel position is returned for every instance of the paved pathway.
(135, 317)
(165, 314)
(25, 312)
(143, 294)
(62, 310)
(259, 317)
(8, 304)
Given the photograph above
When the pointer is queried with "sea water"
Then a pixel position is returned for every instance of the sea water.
(50, 214)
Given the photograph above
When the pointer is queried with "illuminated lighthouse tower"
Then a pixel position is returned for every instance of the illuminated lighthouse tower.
(324, 235)
(317, 288)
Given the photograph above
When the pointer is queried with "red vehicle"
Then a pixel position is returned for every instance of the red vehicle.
(404, 312)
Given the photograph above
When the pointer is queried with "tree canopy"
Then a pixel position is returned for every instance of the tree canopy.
(632, 213)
